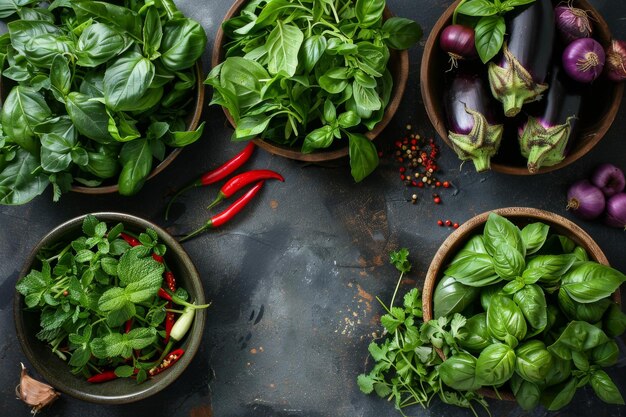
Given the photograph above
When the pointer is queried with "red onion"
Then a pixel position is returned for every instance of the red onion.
(583, 60)
(458, 41)
(615, 67)
(572, 23)
(585, 200)
(609, 179)
(616, 211)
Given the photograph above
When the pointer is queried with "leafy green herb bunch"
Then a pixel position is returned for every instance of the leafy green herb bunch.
(101, 302)
(306, 73)
(96, 92)
(541, 320)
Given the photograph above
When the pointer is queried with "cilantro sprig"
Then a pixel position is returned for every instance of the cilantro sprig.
(406, 368)
(89, 290)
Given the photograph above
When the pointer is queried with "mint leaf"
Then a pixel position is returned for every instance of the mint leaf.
(120, 315)
(109, 265)
(124, 371)
(116, 344)
(89, 225)
(80, 357)
(141, 337)
(53, 319)
(145, 289)
(135, 266)
(112, 299)
(101, 229)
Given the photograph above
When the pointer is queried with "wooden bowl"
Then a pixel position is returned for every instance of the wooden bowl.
(398, 66)
(520, 216)
(193, 120)
(597, 115)
(122, 390)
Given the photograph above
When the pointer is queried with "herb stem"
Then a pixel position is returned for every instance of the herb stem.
(396, 290)
(456, 12)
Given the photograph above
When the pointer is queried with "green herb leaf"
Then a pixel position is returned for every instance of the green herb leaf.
(489, 36)
(478, 8)
(363, 156)
(283, 44)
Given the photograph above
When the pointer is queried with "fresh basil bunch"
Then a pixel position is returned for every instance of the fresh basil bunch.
(305, 73)
(545, 319)
(101, 90)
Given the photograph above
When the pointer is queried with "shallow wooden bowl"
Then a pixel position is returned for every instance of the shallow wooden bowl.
(520, 216)
(597, 115)
(398, 66)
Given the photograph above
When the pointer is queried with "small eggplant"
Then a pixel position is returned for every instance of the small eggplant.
(520, 76)
(473, 126)
(550, 130)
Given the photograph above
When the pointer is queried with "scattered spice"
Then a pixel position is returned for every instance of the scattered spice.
(448, 223)
(440, 222)
(34, 393)
(455, 225)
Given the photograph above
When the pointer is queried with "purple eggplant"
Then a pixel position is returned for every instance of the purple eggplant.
(520, 76)
(550, 130)
(473, 126)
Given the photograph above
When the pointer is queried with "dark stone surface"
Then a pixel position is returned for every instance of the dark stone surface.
(293, 279)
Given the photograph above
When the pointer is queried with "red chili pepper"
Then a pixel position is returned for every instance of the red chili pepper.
(128, 325)
(170, 317)
(237, 182)
(168, 362)
(157, 258)
(164, 295)
(130, 240)
(226, 215)
(217, 174)
(102, 377)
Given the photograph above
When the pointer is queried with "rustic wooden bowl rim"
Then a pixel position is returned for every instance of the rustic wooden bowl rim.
(437, 117)
(454, 242)
(322, 155)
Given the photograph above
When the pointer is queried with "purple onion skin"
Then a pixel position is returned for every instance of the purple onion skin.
(609, 179)
(468, 89)
(458, 41)
(531, 37)
(585, 200)
(583, 60)
(572, 23)
(616, 211)
(615, 65)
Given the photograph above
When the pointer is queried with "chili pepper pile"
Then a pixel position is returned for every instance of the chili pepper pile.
(231, 187)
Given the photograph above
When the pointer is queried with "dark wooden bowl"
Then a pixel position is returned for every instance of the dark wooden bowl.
(520, 216)
(122, 390)
(193, 120)
(398, 66)
(597, 115)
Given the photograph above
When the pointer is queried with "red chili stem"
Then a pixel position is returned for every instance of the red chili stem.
(237, 182)
(223, 217)
(168, 362)
(130, 240)
(217, 174)
(102, 377)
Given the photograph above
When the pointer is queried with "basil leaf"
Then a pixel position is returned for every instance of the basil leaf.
(589, 312)
(500, 231)
(459, 372)
(505, 320)
(489, 36)
(561, 395)
(22, 31)
(98, 44)
(318, 139)
(605, 355)
(312, 50)
(550, 268)
(614, 321)
(495, 365)
(450, 296)
(136, 160)
(177, 139)
(591, 281)
(476, 271)
(532, 302)
(363, 156)
(605, 388)
(578, 336)
(283, 44)
(42, 49)
(476, 334)
(182, 45)
(533, 361)
(534, 235)
(20, 180)
(89, 116)
(60, 77)
(478, 8)
(127, 80)
(527, 394)
(117, 16)
(152, 33)
(401, 33)
(369, 12)
(508, 262)
(23, 109)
